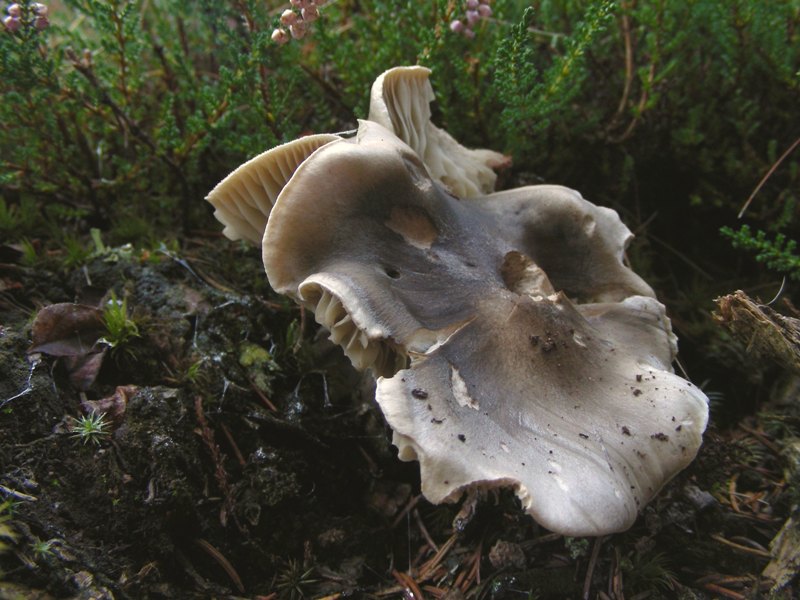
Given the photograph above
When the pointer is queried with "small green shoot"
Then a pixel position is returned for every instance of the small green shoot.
(292, 580)
(89, 428)
(29, 254)
(42, 549)
(75, 253)
(120, 327)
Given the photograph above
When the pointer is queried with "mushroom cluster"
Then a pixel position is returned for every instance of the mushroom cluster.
(511, 344)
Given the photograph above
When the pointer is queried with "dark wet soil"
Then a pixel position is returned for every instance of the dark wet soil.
(243, 457)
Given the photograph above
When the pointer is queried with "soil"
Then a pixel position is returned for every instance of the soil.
(242, 457)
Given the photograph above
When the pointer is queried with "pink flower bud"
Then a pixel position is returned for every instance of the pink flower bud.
(321, 2)
(310, 13)
(468, 33)
(39, 9)
(298, 30)
(40, 22)
(12, 23)
(457, 26)
(472, 4)
(472, 17)
(14, 10)
(485, 11)
(298, 3)
(288, 17)
(279, 36)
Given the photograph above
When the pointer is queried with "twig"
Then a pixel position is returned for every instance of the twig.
(745, 549)
(232, 442)
(428, 568)
(711, 587)
(222, 561)
(771, 446)
(408, 583)
(732, 493)
(424, 531)
(409, 505)
(587, 582)
(220, 474)
(767, 176)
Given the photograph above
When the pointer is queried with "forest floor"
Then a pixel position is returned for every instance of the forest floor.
(240, 456)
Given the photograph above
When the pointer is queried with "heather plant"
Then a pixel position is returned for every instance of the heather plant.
(121, 114)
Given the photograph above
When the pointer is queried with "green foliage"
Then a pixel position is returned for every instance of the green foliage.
(122, 115)
(293, 580)
(120, 327)
(42, 548)
(89, 428)
(577, 547)
(530, 95)
(778, 254)
(646, 572)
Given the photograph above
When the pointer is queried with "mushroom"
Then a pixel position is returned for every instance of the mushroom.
(400, 101)
(511, 344)
(244, 199)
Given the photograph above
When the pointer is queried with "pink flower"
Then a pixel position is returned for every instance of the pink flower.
(298, 30)
(310, 13)
(485, 11)
(12, 23)
(279, 36)
(288, 17)
(14, 10)
(457, 26)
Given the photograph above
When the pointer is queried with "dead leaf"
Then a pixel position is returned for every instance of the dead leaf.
(83, 370)
(67, 329)
(112, 406)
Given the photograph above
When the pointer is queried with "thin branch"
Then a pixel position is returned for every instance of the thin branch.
(768, 175)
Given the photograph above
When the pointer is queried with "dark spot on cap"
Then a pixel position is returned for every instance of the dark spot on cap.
(679, 427)
(637, 392)
(584, 436)
(639, 377)
(419, 393)
(534, 340)
(661, 437)
(462, 437)
(625, 430)
(436, 421)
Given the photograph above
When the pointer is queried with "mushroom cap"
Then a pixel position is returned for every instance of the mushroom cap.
(244, 199)
(400, 101)
(529, 355)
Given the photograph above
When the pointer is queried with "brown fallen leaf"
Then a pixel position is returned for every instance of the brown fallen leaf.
(67, 329)
(112, 406)
(72, 331)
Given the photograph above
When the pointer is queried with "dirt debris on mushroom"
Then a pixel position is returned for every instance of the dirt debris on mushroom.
(511, 344)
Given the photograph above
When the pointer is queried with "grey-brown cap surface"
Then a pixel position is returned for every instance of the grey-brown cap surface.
(507, 380)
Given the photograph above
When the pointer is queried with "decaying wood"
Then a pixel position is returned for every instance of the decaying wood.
(768, 335)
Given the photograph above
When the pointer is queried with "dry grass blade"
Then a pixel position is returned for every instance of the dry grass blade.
(222, 561)
(740, 547)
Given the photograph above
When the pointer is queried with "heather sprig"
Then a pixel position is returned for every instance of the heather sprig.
(23, 15)
(296, 21)
(475, 12)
